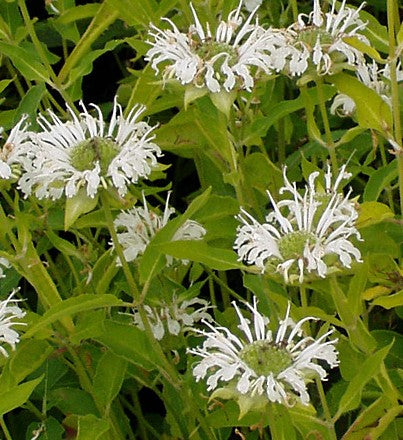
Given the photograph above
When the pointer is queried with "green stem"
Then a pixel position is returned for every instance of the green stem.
(388, 189)
(101, 21)
(303, 296)
(55, 83)
(294, 6)
(328, 132)
(323, 400)
(134, 290)
(5, 429)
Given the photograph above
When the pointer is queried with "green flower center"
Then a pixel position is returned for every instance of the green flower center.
(310, 35)
(87, 153)
(293, 244)
(264, 358)
(210, 49)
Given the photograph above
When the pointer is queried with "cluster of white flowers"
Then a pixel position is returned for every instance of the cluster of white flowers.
(84, 153)
(174, 318)
(9, 311)
(373, 77)
(316, 225)
(277, 366)
(221, 60)
(137, 226)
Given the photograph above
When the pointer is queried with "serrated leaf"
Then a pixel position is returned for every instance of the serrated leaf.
(72, 306)
(75, 206)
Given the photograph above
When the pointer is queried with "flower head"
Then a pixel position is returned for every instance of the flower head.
(318, 38)
(13, 154)
(262, 363)
(83, 152)
(175, 317)
(223, 60)
(303, 232)
(9, 311)
(138, 225)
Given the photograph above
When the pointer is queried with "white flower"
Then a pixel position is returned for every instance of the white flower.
(315, 227)
(320, 39)
(220, 61)
(262, 363)
(373, 77)
(82, 152)
(138, 225)
(175, 317)
(4, 263)
(250, 5)
(14, 151)
(8, 312)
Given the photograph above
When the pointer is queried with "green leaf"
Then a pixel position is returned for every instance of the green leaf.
(389, 301)
(108, 378)
(192, 93)
(72, 401)
(71, 306)
(261, 125)
(371, 110)
(29, 356)
(135, 13)
(304, 418)
(371, 213)
(379, 180)
(25, 62)
(4, 83)
(91, 428)
(17, 396)
(77, 205)
(78, 13)
(64, 246)
(364, 48)
(30, 102)
(130, 343)
(223, 101)
(369, 368)
(201, 252)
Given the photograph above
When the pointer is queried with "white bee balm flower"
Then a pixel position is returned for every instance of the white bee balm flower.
(220, 61)
(9, 312)
(174, 318)
(137, 226)
(83, 152)
(319, 38)
(260, 362)
(314, 227)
